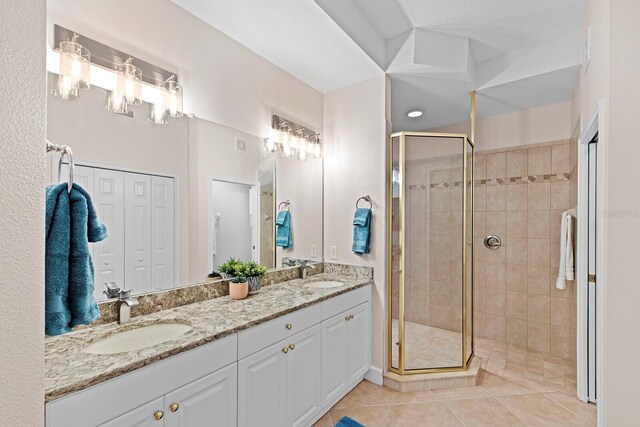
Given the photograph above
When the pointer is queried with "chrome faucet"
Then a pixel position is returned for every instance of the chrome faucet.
(125, 302)
(305, 268)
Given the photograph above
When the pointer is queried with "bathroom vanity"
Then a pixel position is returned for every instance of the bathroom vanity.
(282, 357)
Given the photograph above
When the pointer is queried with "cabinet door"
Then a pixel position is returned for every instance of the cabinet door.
(162, 232)
(262, 388)
(137, 232)
(108, 255)
(209, 401)
(304, 376)
(144, 416)
(334, 361)
(358, 342)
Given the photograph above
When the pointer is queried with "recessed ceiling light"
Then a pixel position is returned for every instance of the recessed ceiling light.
(415, 113)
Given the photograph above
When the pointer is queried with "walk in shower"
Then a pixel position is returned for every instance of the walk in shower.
(430, 252)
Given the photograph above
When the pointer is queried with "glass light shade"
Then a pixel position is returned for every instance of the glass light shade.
(75, 62)
(117, 103)
(286, 145)
(172, 98)
(129, 82)
(317, 153)
(295, 141)
(157, 114)
(310, 147)
(302, 150)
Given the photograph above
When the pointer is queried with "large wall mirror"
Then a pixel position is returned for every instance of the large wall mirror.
(181, 198)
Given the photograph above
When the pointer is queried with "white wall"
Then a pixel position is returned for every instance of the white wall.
(355, 159)
(540, 124)
(22, 165)
(223, 81)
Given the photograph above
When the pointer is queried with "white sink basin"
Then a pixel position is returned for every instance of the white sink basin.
(325, 284)
(139, 338)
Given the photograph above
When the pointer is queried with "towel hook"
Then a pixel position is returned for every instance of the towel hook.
(66, 151)
(366, 198)
(287, 204)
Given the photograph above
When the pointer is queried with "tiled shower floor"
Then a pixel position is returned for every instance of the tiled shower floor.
(427, 347)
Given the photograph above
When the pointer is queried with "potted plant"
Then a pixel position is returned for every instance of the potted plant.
(230, 268)
(254, 273)
(238, 288)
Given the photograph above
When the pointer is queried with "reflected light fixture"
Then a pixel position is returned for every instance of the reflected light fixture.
(157, 114)
(292, 140)
(172, 97)
(129, 82)
(74, 69)
(415, 113)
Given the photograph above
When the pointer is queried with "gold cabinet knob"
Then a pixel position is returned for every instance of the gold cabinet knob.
(174, 407)
(158, 415)
(289, 326)
(347, 318)
(292, 346)
(351, 317)
(285, 350)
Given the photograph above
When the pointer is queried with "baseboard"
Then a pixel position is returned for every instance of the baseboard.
(374, 374)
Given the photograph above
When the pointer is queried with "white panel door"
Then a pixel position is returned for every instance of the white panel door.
(137, 232)
(209, 401)
(143, 416)
(304, 378)
(358, 342)
(334, 361)
(262, 388)
(162, 213)
(108, 255)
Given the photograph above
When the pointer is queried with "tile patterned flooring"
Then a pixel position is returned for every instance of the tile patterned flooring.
(428, 347)
(516, 387)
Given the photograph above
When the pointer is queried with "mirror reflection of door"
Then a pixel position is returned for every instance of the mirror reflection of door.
(233, 229)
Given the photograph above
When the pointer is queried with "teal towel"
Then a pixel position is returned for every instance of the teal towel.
(283, 232)
(71, 223)
(348, 422)
(361, 231)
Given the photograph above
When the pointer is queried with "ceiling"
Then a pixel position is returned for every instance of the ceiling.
(515, 53)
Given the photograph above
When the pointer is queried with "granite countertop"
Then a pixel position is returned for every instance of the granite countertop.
(68, 369)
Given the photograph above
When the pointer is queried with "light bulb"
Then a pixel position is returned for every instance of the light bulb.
(302, 149)
(157, 114)
(286, 145)
(311, 148)
(317, 153)
(294, 141)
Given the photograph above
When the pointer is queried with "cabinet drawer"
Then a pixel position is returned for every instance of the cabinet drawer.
(103, 402)
(344, 302)
(262, 336)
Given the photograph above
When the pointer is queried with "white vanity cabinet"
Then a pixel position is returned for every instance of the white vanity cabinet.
(284, 372)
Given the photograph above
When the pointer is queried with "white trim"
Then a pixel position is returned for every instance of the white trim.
(594, 124)
(374, 374)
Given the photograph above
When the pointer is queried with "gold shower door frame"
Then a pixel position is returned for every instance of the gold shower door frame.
(467, 276)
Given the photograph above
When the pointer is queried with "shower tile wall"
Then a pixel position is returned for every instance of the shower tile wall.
(520, 196)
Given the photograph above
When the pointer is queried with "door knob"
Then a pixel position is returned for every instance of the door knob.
(139, 259)
(174, 407)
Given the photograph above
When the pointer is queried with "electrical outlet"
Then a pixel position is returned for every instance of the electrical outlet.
(314, 251)
(333, 252)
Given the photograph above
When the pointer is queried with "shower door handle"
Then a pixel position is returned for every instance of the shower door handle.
(492, 242)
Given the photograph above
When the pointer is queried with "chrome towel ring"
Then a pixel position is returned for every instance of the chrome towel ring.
(366, 198)
(287, 204)
(64, 150)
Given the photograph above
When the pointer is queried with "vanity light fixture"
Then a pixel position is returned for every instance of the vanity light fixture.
(158, 114)
(129, 82)
(415, 113)
(292, 140)
(74, 69)
(117, 103)
(172, 97)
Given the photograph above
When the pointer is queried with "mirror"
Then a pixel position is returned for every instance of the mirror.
(181, 198)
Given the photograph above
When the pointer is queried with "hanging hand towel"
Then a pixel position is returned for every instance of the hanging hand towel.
(283, 232)
(361, 231)
(565, 270)
(71, 223)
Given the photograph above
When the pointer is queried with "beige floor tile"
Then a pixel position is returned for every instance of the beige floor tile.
(500, 386)
(462, 393)
(395, 397)
(325, 421)
(369, 416)
(538, 410)
(365, 394)
(424, 414)
(483, 412)
(586, 411)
